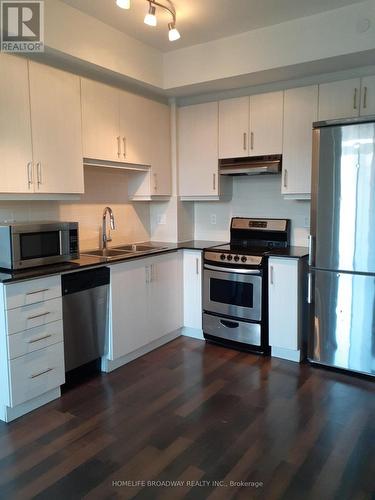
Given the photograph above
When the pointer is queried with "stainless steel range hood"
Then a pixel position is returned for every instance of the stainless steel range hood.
(251, 165)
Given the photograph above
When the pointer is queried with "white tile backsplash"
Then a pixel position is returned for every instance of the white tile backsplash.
(253, 196)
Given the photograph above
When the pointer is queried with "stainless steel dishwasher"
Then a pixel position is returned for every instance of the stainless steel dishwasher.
(85, 315)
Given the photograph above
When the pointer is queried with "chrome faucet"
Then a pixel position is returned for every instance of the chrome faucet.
(106, 238)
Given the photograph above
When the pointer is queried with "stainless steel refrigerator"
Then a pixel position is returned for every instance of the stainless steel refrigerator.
(342, 246)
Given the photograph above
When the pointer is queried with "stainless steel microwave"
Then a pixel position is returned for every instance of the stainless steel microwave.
(29, 244)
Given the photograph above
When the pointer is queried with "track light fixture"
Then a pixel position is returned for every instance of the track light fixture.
(123, 4)
(150, 18)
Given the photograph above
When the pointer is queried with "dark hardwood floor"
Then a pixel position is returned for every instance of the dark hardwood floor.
(198, 413)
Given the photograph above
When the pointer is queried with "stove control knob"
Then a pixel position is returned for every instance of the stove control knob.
(229, 257)
(236, 258)
(222, 256)
(243, 258)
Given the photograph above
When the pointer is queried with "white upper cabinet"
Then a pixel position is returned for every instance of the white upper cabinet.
(100, 121)
(15, 127)
(300, 111)
(56, 130)
(339, 99)
(368, 96)
(157, 182)
(160, 120)
(234, 128)
(198, 151)
(135, 129)
(266, 124)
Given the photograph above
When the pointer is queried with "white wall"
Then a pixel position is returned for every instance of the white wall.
(323, 36)
(256, 196)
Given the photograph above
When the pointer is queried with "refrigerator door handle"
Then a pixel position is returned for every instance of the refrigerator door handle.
(311, 250)
(309, 288)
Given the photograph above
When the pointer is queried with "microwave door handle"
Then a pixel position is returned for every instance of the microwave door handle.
(232, 270)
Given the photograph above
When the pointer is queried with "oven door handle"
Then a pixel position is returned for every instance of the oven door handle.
(232, 270)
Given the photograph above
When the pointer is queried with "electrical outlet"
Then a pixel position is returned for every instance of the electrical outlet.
(162, 219)
(306, 222)
(213, 218)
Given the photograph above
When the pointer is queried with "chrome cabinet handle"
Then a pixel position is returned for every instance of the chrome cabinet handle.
(118, 146)
(285, 178)
(39, 339)
(41, 373)
(271, 275)
(244, 141)
(364, 97)
(38, 291)
(124, 144)
(39, 173)
(252, 140)
(197, 266)
(214, 182)
(38, 316)
(30, 179)
(155, 182)
(355, 98)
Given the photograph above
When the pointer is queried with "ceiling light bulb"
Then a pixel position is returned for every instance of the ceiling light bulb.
(173, 33)
(150, 17)
(123, 4)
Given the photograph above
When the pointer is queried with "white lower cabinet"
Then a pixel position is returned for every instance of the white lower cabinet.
(287, 309)
(146, 306)
(32, 367)
(192, 279)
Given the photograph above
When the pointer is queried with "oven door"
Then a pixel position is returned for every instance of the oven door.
(233, 292)
(37, 245)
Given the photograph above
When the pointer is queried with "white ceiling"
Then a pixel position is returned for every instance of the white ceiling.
(202, 20)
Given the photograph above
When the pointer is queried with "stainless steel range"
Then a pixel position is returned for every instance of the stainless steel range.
(235, 294)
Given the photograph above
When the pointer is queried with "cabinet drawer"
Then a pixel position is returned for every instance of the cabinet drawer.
(32, 291)
(34, 315)
(34, 339)
(36, 373)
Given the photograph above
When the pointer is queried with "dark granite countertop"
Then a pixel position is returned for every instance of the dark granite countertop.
(87, 261)
(292, 252)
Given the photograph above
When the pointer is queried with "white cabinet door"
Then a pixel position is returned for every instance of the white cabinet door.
(283, 303)
(129, 311)
(368, 96)
(15, 126)
(56, 130)
(339, 99)
(234, 127)
(266, 124)
(161, 172)
(193, 289)
(198, 150)
(135, 129)
(300, 111)
(165, 295)
(100, 121)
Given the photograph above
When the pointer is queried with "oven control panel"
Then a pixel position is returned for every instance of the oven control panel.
(229, 258)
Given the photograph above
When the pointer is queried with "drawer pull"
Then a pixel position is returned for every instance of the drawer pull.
(38, 316)
(41, 373)
(40, 338)
(38, 291)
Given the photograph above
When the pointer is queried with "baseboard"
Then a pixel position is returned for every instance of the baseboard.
(289, 354)
(195, 333)
(8, 414)
(110, 365)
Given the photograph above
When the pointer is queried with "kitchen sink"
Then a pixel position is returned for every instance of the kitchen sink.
(107, 253)
(139, 248)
